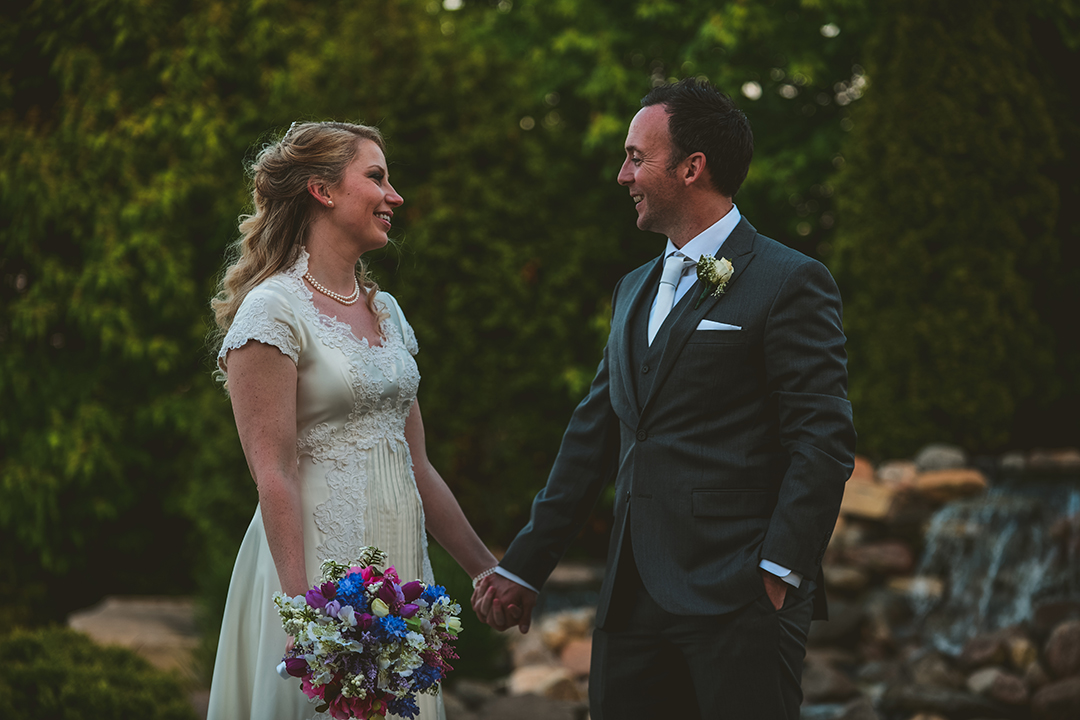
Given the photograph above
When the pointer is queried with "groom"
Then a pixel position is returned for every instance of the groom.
(720, 411)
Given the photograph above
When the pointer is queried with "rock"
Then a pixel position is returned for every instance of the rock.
(1057, 701)
(1049, 614)
(1013, 463)
(887, 557)
(843, 579)
(576, 656)
(546, 680)
(822, 683)
(1009, 689)
(880, 671)
(561, 628)
(867, 499)
(863, 470)
(1035, 676)
(885, 610)
(981, 680)
(918, 588)
(472, 693)
(1062, 650)
(898, 474)
(983, 650)
(1066, 460)
(530, 649)
(859, 709)
(1022, 652)
(933, 669)
(845, 619)
(1065, 532)
(160, 629)
(999, 685)
(942, 486)
(948, 703)
(456, 709)
(526, 707)
(940, 457)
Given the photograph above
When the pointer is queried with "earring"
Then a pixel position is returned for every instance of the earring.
(330, 203)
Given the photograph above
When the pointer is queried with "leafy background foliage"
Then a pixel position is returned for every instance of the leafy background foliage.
(924, 153)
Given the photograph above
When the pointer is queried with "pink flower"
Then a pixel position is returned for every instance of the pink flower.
(310, 690)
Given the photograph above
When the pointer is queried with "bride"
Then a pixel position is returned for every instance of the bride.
(319, 367)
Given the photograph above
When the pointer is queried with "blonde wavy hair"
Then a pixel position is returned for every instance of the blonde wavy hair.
(271, 237)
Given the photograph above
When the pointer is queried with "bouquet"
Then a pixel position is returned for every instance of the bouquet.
(366, 644)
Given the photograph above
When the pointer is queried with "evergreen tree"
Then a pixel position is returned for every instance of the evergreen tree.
(948, 220)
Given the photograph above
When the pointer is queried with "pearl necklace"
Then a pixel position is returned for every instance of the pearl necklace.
(350, 300)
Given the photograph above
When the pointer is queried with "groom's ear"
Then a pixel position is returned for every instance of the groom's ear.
(694, 168)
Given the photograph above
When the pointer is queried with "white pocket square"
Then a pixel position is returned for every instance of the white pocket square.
(711, 325)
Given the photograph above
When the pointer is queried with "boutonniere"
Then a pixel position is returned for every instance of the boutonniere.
(715, 274)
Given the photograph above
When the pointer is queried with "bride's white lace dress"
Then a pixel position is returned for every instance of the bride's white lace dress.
(357, 482)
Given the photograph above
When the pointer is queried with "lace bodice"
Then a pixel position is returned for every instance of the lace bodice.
(352, 397)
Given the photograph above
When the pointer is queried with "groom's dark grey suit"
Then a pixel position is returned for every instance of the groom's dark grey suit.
(727, 447)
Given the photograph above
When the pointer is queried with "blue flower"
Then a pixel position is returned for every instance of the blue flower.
(433, 593)
(405, 707)
(425, 676)
(350, 591)
(392, 627)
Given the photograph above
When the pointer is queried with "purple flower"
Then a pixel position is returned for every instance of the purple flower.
(412, 590)
(297, 667)
(390, 593)
(315, 598)
(333, 608)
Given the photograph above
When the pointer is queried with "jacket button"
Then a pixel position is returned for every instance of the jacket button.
(645, 369)
(641, 434)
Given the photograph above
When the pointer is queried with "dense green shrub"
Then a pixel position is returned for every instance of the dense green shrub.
(59, 674)
(949, 251)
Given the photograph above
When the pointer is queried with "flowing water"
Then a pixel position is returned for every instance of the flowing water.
(998, 557)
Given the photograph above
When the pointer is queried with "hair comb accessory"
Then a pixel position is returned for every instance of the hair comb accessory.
(289, 131)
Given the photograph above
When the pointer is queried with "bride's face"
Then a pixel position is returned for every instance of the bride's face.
(364, 200)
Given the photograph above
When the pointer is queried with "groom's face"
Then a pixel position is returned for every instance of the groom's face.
(655, 190)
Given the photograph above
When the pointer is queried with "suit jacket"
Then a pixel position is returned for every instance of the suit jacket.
(737, 449)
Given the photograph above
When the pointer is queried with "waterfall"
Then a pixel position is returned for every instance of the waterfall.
(989, 562)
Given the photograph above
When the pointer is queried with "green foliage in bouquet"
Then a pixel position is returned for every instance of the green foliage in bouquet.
(59, 673)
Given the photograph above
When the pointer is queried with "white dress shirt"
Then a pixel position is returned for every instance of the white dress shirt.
(708, 242)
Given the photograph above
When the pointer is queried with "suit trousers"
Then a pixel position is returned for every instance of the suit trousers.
(746, 665)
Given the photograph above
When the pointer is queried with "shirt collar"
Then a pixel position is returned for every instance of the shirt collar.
(708, 242)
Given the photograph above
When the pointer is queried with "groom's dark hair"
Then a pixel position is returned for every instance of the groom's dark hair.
(703, 119)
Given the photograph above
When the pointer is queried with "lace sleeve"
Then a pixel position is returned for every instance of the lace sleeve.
(266, 317)
(407, 334)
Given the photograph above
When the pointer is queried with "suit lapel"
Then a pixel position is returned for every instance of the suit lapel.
(739, 249)
(638, 290)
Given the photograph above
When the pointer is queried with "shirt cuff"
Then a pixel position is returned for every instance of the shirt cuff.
(789, 576)
(511, 576)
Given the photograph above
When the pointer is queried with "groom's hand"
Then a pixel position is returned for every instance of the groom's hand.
(502, 603)
(775, 587)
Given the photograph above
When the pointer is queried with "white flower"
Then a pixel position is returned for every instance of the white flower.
(347, 616)
(714, 274)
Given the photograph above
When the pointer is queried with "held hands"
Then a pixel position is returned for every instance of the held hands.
(502, 603)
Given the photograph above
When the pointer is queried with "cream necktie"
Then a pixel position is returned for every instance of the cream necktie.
(674, 267)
